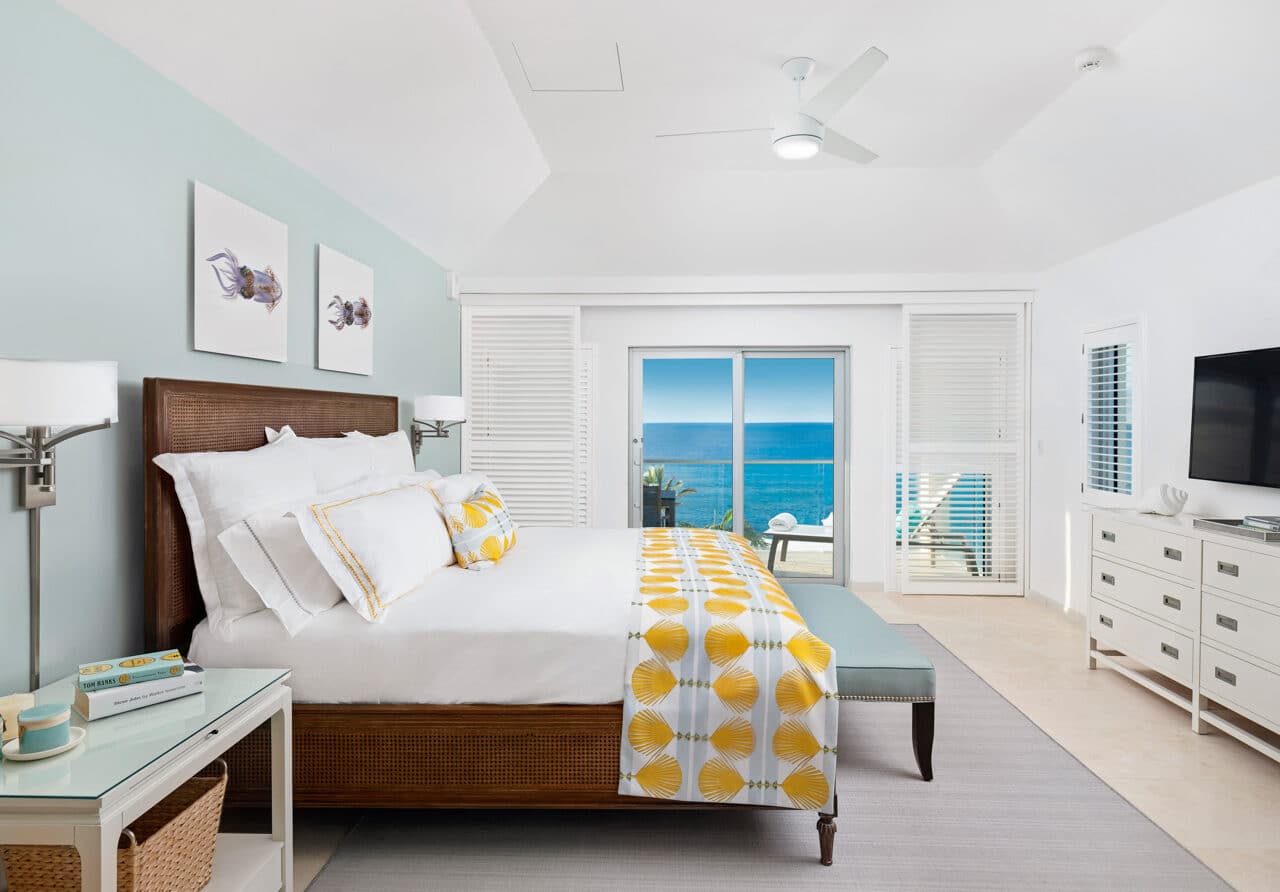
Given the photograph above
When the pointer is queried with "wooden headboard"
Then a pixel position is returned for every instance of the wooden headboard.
(209, 416)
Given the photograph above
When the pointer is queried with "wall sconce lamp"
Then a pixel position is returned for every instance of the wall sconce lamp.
(39, 396)
(433, 415)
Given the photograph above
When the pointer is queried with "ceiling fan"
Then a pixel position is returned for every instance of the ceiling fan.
(803, 133)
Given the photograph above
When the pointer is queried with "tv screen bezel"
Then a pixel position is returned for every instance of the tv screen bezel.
(1191, 451)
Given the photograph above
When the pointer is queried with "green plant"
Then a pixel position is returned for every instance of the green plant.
(656, 475)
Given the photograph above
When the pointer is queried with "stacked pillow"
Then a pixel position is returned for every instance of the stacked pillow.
(301, 524)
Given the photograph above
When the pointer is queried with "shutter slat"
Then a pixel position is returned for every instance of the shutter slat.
(961, 487)
(1109, 409)
(528, 393)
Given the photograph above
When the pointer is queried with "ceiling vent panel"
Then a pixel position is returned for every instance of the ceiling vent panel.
(580, 66)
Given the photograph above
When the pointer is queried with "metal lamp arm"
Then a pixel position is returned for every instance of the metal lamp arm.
(75, 432)
(22, 442)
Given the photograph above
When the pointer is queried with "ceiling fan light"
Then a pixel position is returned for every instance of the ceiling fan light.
(797, 146)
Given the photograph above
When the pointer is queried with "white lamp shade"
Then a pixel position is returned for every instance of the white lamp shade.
(436, 407)
(53, 393)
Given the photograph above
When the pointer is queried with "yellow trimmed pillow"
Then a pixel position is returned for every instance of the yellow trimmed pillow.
(479, 524)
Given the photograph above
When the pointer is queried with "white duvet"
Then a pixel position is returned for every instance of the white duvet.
(546, 625)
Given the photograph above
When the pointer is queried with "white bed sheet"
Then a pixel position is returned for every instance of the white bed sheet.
(546, 625)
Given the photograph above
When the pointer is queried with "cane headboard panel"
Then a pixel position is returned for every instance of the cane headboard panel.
(208, 416)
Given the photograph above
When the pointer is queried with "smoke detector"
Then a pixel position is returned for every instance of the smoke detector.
(1092, 59)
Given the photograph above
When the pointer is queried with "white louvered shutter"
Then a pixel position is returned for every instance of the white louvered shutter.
(965, 395)
(523, 381)
(585, 432)
(1110, 360)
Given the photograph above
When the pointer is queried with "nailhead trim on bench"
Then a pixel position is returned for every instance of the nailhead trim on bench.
(871, 698)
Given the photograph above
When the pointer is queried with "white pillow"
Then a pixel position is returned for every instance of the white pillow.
(341, 461)
(391, 453)
(218, 489)
(269, 551)
(378, 546)
(460, 487)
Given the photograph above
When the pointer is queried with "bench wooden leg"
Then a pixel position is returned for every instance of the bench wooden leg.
(922, 737)
(827, 832)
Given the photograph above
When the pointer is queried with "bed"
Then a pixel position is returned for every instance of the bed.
(389, 753)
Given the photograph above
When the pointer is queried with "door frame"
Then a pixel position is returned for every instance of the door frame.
(738, 356)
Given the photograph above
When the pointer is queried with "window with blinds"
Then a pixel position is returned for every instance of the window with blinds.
(1110, 358)
(527, 385)
(963, 489)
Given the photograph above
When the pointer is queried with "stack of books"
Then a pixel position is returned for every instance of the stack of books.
(110, 687)
(1268, 522)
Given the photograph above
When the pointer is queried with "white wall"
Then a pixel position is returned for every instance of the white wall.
(1205, 282)
(867, 331)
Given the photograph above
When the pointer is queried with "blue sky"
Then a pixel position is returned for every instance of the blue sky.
(701, 390)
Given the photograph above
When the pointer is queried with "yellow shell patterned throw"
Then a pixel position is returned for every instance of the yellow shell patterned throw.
(480, 527)
(729, 697)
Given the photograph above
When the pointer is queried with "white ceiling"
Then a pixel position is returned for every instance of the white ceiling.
(511, 137)
(377, 98)
(962, 77)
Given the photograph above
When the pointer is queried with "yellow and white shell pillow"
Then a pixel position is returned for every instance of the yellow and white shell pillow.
(479, 523)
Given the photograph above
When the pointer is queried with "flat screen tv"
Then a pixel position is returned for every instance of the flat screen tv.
(1235, 418)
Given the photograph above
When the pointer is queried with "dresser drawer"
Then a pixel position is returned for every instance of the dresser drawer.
(1242, 627)
(1143, 639)
(1243, 572)
(1236, 682)
(1169, 601)
(1157, 549)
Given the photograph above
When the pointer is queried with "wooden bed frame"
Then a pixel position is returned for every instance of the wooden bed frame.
(366, 755)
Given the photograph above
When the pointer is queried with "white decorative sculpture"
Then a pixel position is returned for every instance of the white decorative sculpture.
(1163, 499)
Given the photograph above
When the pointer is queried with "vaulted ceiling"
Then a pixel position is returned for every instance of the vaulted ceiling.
(509, 137)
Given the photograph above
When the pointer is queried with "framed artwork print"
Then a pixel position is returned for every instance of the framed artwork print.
(240, 278)
(346, 314)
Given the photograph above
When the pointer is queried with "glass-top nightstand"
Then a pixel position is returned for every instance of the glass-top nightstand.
(129, 762)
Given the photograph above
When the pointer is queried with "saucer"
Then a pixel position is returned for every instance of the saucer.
(11, 748)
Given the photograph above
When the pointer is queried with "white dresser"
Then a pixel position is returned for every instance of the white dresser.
(1199, 607)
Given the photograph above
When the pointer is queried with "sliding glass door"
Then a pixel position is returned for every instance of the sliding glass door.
(747, 441)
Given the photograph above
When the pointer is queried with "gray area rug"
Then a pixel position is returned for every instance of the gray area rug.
(1008, 809)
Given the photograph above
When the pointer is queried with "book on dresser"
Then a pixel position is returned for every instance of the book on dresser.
(1201, 608)
(112, 701)
(1263, 522)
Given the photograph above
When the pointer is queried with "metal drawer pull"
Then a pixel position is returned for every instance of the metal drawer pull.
(1171, 601)
(1105, 620)
(1223, 675)
(1228, 569)
(1173, 554)
(1108, 579)
(1169, 650)
(1108, 536)
(1228, 623)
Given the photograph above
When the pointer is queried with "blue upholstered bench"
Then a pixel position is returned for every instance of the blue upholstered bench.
(873, 662)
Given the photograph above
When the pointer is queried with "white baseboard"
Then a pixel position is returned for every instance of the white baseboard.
(1044, 600)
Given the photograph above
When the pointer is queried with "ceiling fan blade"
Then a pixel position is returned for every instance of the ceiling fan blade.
(843, 147)
(831, 98)
(710, 132)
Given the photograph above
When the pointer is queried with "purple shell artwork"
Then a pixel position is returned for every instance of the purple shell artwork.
(348, 313)
(237, 280)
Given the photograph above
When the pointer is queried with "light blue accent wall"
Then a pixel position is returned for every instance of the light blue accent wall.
(98, 154)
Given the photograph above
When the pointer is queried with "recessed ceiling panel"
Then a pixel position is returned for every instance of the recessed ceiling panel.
(570, 66)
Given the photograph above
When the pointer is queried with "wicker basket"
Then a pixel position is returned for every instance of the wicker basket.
(168, 849)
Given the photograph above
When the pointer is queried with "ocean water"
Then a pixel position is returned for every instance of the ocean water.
(699, 455)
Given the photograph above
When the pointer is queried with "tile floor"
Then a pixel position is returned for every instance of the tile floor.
(1217, 797)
